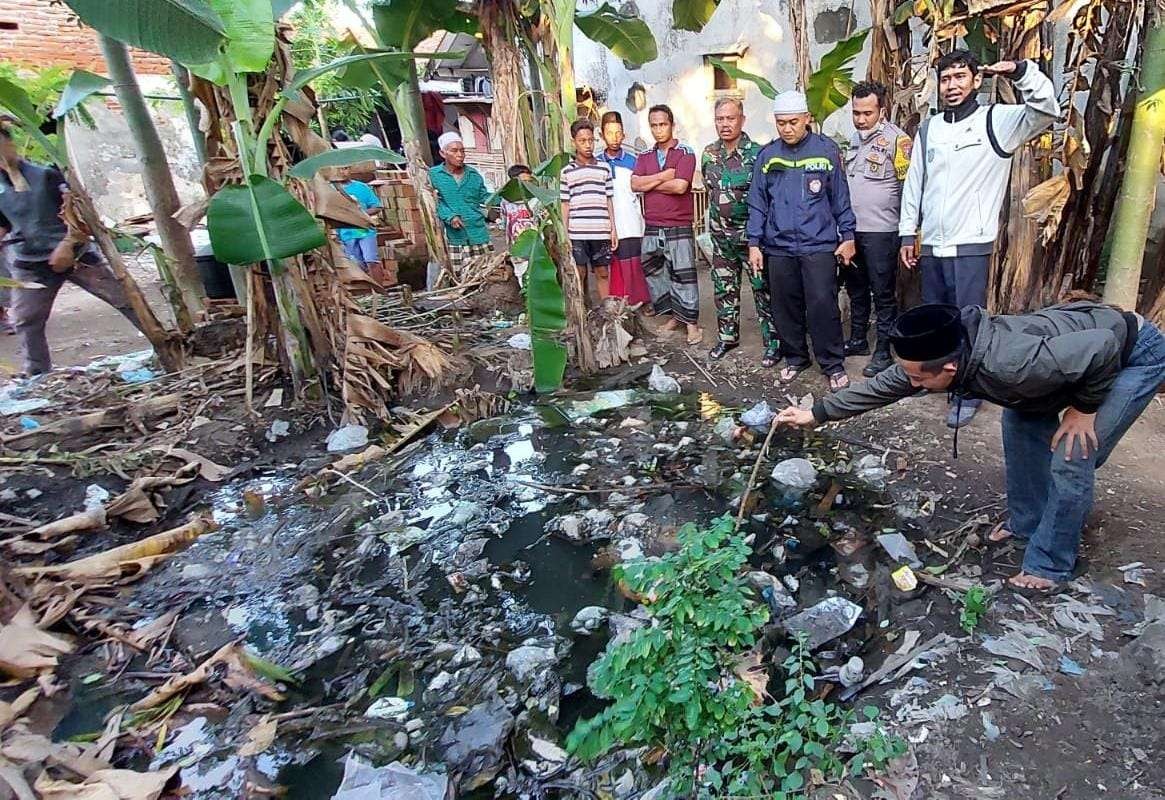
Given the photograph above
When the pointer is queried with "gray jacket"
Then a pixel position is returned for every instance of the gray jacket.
(34, 216)
(1039, 363)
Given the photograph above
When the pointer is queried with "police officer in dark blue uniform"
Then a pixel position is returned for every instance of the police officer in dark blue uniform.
(800, 225)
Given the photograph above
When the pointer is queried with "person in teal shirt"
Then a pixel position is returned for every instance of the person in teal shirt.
(360, 243)
(461, 196)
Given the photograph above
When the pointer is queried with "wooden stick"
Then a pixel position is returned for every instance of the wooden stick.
(755, 469)
(250, 337)
(696, 364)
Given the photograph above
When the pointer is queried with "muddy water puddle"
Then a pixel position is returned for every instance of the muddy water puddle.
(448, 562)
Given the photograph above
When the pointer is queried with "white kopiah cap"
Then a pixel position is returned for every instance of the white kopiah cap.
(448, 138)
(791, 102)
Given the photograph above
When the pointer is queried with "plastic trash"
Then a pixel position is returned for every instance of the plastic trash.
(869, 470)
(10, 406)
(601, 401)
(95, 496)
(1070, 667)
(852, 672)
(389, 708)
(394, 781)
(520, 341)
(29, 424)
(348, 437)
(660, 381)
(141, 375)
(279, 428)
(824, 622)
(905, 579)
(725, 429)
(990, 729)
(899, 548)
(759, 416)
(796, 473)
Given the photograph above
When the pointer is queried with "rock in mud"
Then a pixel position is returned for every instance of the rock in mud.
(637, 524)
(526, 661)
(473, 745)
(594, 523)
(1146, 654)
(795, 473)
(588, 620)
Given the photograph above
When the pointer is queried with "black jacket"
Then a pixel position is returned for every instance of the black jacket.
(1039, 363)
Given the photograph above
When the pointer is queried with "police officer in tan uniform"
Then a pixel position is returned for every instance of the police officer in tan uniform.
(876, 164)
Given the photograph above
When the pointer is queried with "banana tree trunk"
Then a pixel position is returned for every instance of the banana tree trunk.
(295, 338)
(498, 25)
(557, 46)
(1139, 187)
(800, 43)
(159, 184)
(166, 344)
(182, 78)
(406, 104)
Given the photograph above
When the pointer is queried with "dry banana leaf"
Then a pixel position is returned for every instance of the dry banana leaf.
(259, 738)
(10, 712)
(32, 748)
(130, 560)
(206, 468)
(26, 650)
(239, 674)
(75, 523)
(108, 784)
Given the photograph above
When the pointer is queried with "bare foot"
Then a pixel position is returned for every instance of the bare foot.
(1026, 581)
(672, 324)
(695, 334)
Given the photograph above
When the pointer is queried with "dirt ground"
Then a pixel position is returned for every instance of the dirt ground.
(1095, 736)
(1098, 735)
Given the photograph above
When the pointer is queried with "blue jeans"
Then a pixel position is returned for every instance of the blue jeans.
(362, 250)
(1048, 498)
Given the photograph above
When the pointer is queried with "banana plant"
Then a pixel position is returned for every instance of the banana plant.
(830, 87)
(545, 301)
(257, 220)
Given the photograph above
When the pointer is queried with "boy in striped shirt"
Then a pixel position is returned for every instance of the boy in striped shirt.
(586, 188)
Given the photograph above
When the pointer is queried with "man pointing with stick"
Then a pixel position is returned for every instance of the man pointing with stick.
(1071, 379)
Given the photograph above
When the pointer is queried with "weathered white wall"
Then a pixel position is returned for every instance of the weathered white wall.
(108, 163)
(679, 77)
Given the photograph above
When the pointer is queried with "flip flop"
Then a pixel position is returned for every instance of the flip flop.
(789, 374)
(1010, 538)
(696, 338)
(838, 381)
(1056, 588)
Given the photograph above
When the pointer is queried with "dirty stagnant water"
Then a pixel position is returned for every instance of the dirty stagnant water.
(421, 574)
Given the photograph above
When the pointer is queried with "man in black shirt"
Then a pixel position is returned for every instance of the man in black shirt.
(39, 251)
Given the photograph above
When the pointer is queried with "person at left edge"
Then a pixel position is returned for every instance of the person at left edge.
(461, 195)
(800, 225)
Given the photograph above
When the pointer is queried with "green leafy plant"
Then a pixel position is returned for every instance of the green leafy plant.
(831, 86)
(974, 604)
(627, 37)
(763, 84)
(692, 15)
(692, 682)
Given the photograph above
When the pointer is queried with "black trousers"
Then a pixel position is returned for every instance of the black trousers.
(804, 288)
(873, 271)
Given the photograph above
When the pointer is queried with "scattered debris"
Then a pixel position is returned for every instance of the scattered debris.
(795, 473)
(899, 548)
(660, 381)
(823, 622)
(394, 781)
(349, 437)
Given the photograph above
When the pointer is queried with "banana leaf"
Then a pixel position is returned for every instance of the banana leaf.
(545, 308)
(551, 167)
(763, 84)
(341, 158)
(304, 77)
(692, 15)
(188, 31)
(16, 101)
(81, 86)
(260, 221)
(404, 24)
(250, 29)
(627, 37)
(832, 84)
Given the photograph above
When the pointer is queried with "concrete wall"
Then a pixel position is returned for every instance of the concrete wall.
(108, 163)
(41, 34)
(680, 78)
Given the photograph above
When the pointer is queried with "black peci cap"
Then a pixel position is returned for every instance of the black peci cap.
(928, 332)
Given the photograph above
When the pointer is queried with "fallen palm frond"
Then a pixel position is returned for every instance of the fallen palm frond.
(130, 560)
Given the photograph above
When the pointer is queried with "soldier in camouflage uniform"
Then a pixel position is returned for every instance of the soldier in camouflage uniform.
(727, 166)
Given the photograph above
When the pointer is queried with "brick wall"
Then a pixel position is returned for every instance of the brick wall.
(402, 235)
(40, 34)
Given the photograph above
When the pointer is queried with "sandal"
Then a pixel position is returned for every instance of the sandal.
(995, 542)
(772, 358)
(1058, 587)
(789, 374)
(696, 338)
(838, 381)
